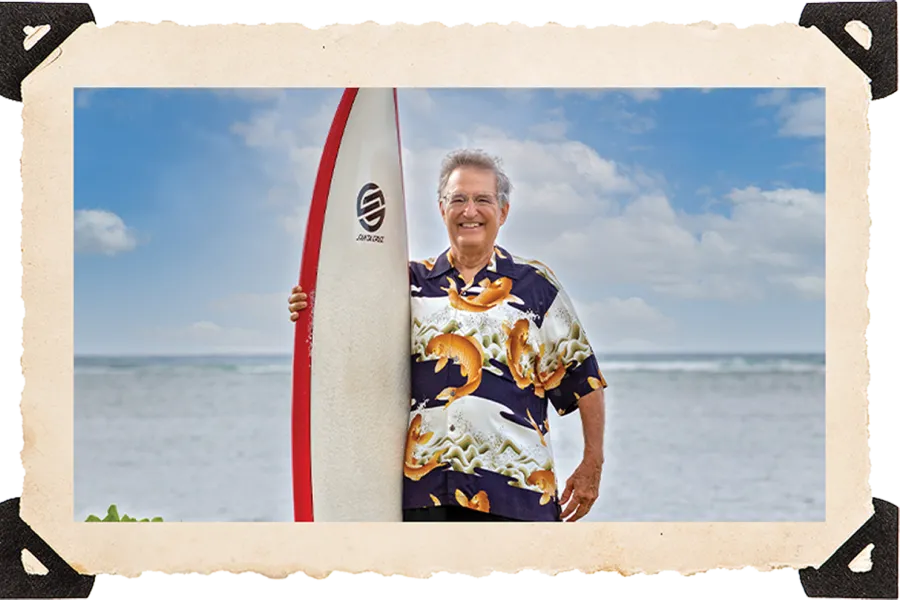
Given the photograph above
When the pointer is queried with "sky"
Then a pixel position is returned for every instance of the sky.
(678, 220)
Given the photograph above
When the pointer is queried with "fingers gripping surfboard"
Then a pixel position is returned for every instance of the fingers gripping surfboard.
(350, 397)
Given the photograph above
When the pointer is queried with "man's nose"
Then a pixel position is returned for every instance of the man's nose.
(469, 209)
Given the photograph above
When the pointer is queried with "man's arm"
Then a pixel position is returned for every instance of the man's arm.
(581, 377)
(593, 420)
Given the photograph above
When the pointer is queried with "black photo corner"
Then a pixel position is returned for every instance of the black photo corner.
(879, 61)
(60, 580)
(30, 31)
(834, 579)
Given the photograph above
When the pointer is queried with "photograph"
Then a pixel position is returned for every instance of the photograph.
(608, 304)
(310, 309)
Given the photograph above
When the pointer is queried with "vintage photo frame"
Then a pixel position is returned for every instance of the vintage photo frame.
(659, 55)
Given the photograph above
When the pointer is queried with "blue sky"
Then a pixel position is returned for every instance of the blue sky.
(683, 220)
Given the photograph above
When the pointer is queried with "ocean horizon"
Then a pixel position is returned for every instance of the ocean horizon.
(262, 363)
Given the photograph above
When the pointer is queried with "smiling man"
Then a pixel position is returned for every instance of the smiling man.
(495, 343)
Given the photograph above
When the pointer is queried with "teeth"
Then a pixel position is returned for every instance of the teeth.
(470, 225)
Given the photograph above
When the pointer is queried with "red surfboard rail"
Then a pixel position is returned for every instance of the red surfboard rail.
(300, 419)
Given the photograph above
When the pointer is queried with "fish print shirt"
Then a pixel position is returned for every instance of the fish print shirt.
(487, 361)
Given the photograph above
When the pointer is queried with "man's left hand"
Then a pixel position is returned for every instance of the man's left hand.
(582, 490)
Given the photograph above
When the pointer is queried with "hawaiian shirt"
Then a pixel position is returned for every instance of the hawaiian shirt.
(487, 361)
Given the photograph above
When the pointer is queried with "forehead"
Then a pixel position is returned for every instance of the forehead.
(472, 179)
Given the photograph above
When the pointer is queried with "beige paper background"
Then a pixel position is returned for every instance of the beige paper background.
(433, 55)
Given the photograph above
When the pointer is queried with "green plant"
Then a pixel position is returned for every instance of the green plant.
(112, 516)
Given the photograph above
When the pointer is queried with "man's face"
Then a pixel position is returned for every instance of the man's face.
(470, 209)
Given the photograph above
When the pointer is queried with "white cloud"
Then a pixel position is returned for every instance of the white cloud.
(550, 130)
(83, 97)
(232, 323)
(289, 133)
(643, 94)
(222, 337)
(519, 95)
(810, 287)
(637, 94)
(774, 97)
(770, 233)
(800, 115)
(630, 122)
(420, 100)
(252, 94)
(623, 324)
(204, 328)
(618, 111)
(102, 232)
(805, 117)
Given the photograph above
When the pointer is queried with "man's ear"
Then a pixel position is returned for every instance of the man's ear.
(503, 213)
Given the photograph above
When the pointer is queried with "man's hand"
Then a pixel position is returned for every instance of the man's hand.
(582, 489)
(296, 302)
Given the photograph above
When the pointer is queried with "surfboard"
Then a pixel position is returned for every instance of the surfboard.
(351, 378)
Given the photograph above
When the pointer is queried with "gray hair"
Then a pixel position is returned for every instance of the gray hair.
(480, 160)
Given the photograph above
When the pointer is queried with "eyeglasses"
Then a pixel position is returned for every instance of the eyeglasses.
(460, 200)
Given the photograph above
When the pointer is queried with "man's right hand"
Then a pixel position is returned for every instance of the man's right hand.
(296, 302)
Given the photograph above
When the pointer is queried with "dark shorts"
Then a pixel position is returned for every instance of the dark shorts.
(449, 513)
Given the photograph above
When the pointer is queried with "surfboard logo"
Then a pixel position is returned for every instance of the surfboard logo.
(370, 207)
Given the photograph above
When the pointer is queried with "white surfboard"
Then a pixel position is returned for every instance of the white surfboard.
(351, 374)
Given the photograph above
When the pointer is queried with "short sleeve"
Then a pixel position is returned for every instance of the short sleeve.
(417, 274)
(569, 368)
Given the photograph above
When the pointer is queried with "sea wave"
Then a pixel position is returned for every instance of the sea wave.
(609, 363)
(731, 365)
(184, 369)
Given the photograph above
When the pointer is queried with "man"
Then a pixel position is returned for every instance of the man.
(495, 341)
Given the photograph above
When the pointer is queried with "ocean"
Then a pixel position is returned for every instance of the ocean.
(688, 438)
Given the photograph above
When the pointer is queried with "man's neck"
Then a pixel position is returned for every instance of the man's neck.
(469, 264)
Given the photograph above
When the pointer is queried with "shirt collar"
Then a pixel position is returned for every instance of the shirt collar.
(501, 262)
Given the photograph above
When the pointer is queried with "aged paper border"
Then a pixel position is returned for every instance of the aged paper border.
(658, 55)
